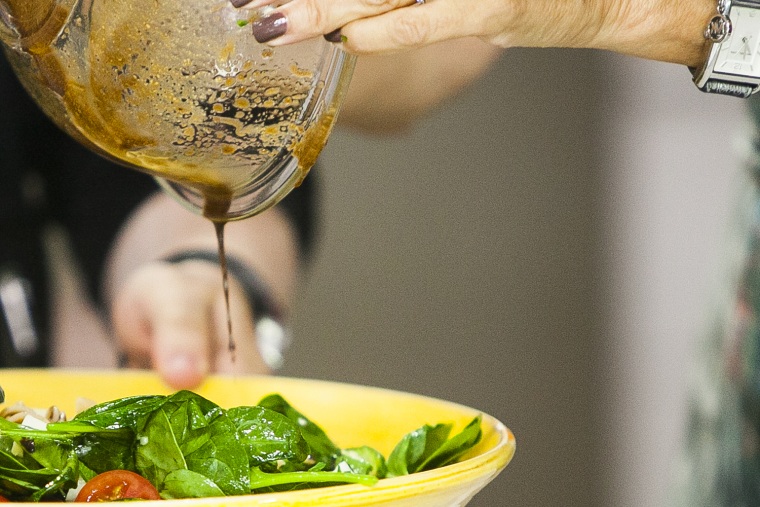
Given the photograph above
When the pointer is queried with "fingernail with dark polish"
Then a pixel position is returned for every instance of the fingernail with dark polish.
(240, 3)
(334, 36)
(270, 27)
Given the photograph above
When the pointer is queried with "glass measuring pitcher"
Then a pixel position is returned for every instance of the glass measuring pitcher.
(181, 89)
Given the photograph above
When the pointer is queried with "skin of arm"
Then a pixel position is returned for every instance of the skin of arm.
(389, 93)
(666, 31)
(172, 317)
(669, 31)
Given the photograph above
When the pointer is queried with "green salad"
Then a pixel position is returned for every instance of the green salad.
(185, 446)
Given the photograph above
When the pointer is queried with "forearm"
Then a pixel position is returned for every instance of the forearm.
(670, 31)
(665, 30)
(388, 93)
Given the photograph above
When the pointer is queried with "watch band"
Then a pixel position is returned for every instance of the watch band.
(728, 88)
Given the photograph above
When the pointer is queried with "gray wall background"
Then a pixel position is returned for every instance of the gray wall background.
(457, 261)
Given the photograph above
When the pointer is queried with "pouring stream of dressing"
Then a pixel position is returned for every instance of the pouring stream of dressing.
(215, 209)
(219, 226)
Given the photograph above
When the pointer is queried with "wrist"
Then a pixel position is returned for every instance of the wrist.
(271, 335)
(671, 31)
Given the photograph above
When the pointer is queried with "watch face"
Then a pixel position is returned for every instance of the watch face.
(740, 54)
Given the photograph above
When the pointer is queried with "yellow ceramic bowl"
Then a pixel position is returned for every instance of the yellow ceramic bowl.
(351, 415)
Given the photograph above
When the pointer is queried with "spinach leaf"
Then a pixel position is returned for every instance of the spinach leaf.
(48, 451)
(98, 448)
(189, 484)
(321, 447)
(11, 461)
(21, 484)
(65, 479)
(190, 432)
(106, 433)
(362, 460)
(262, 482)
(158, 452)
(455, 447)
(429, 447)
(268, 436)
(415, 448)
(20, 475)
(121, 413)
(36, 465)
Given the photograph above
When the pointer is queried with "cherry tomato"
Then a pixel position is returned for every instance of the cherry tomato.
(117, 485)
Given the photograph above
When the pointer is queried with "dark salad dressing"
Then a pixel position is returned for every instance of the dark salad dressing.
(215, 208)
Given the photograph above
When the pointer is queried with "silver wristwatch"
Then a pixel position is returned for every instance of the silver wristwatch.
(733, 64)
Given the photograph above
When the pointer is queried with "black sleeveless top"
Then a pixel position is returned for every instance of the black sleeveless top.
(46, 177)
